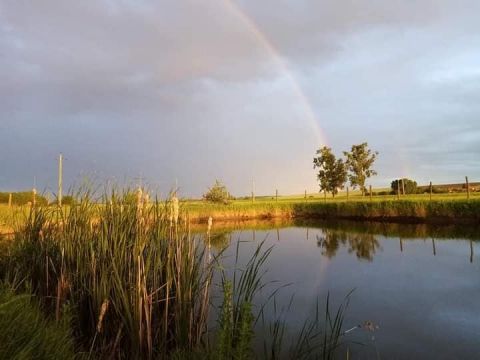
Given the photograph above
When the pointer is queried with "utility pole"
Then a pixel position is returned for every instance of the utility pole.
(253, 190)
(468, 187)
(60, 179)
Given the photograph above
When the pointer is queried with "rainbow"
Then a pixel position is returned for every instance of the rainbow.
(255, 30)
(296, 88)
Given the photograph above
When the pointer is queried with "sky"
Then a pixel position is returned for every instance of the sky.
(244, 91)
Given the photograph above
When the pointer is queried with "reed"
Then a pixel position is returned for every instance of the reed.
(136, 280)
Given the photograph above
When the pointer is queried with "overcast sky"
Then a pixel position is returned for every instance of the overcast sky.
(239, 91)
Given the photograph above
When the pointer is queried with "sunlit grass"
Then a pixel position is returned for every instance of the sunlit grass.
(288, 206)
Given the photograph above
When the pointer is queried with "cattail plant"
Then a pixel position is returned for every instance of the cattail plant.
(119, 260)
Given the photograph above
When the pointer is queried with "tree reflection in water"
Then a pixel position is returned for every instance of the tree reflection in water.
(220, 240)
(364, 245)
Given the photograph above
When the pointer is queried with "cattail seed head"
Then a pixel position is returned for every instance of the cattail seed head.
(139, 197)
(175, 209)
(210, 223)
(103, 311)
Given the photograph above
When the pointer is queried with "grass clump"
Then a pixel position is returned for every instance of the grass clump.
(25, 333)
(136, 280)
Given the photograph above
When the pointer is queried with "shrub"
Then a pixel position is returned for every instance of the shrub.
(410, 186)
(218, 193)
(66, 200)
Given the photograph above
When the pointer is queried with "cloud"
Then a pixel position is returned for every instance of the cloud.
(204, 90)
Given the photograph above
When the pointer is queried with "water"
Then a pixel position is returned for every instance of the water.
(419, 285)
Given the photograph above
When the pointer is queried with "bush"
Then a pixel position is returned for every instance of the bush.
(410, 186)
(218, 193)
(439, 190)
(66, 200)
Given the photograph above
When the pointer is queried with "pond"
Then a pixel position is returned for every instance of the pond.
(417, 287)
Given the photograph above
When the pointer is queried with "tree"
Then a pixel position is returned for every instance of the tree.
(332, 174)
(218, 193)
(410, 186)
(359, 163)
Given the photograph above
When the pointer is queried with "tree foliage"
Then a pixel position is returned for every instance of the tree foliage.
(333, 173)
(218, 193)
(22, 198)
(410, 186)
(359, 163)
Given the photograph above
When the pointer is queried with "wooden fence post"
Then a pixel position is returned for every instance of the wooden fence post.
(253, 190)
(347, 193)
(10, 200)
(431, 190)
(60, 180)
(468, 187)
(403, 187)
(370, 190)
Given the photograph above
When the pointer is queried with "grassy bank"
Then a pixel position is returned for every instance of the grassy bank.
(405, 210)
(450, 208)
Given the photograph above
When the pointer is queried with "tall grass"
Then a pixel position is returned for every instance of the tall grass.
(137, 282)
(25, 333)
(135, 279)
(319, 337)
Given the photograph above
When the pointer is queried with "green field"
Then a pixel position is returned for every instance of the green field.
(417, 207)
(386, 207)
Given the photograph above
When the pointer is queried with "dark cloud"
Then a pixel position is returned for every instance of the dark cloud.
(203, 90)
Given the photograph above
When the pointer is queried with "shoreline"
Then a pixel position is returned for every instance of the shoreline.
(399, 211)
(454, 212)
